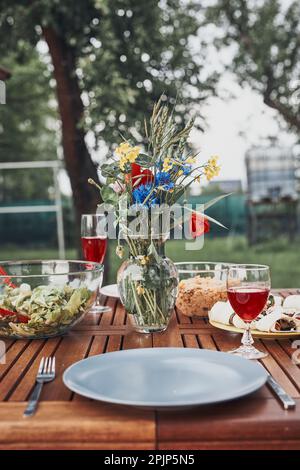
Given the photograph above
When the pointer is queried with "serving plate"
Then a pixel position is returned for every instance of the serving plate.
(110, 291)
(256, 333)
(164, 377)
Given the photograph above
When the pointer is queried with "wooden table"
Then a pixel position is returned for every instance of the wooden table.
(66, 420)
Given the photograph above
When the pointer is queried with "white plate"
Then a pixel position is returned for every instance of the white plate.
(164, 377)
(110, 291)
(257, 333)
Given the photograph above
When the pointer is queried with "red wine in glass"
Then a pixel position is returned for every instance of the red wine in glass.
(94, 245)
(248, 287)
(94, 248)
(248, 302)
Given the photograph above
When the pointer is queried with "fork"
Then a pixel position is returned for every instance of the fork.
(46, 373)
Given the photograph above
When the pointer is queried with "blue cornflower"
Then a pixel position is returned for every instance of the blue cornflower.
(163, 179)
(187, 169)
(141, 193)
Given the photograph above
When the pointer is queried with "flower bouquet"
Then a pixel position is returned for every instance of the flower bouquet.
(143, 187)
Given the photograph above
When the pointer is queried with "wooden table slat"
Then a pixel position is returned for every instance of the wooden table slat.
(19, 368)
(24, 388)
(12, 354)
(73, 348)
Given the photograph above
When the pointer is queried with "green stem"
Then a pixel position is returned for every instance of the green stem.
(154, 302)
(152, 311)
(136, 300)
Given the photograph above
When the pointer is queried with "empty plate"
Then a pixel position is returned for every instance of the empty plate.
(164, 377)
(110, 291)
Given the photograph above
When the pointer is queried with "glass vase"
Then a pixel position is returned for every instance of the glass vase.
(147, 284)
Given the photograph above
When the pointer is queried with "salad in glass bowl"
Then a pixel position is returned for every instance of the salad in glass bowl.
(40, 299)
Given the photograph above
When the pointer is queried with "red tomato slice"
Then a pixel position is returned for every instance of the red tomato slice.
(6, 313)
(22, 318)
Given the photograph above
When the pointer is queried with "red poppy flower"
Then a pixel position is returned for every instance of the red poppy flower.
(198, 225)
(139, 176)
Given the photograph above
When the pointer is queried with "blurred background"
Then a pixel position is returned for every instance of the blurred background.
(79, 74)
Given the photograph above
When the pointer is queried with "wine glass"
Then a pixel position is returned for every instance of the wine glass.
(94, 245)
(248, 287)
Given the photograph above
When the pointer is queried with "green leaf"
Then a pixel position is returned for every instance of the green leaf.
(215, 200)
(109, 196)
(144, 160)
(177, 193)
(109, 170)
(153, 252)
(211, 219)
(110, 180)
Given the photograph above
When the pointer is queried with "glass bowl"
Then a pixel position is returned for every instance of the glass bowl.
(41, 299)
(201, 285)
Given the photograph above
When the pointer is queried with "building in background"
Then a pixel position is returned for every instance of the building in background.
(271, 174)
(272, 197)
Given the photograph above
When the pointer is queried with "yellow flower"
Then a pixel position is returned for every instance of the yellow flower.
(167, 165)
(122, 163)
(212, 168)
(214, 160)
(140, 290)
(120, 251)
(144, 260)
(133, 154)
(190, 160)
(127, 154)
(123, 149)
(209, 173)
(180, 172)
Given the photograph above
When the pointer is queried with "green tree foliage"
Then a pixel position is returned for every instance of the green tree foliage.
(26, 126)
(266, 39)
(110, 60)
(139, 51)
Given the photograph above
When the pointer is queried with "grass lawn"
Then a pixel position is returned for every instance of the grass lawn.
(282, 256)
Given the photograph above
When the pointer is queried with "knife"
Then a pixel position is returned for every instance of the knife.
(286, 400)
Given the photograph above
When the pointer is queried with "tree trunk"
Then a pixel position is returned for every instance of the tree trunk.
(78, 162)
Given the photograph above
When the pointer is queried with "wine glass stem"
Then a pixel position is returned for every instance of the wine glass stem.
(247, 339)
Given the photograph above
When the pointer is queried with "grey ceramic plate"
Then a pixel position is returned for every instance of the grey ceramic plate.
(164, 377)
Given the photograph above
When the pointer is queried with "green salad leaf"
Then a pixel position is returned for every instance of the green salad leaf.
(42, 311)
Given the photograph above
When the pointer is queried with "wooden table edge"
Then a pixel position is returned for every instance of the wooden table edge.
(58, 426)
(76, 423)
